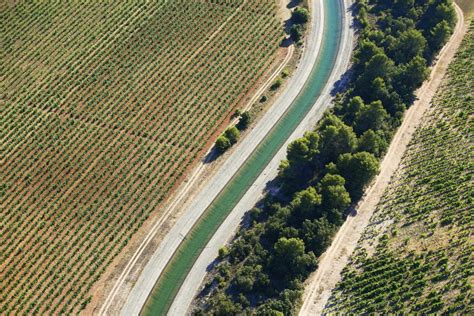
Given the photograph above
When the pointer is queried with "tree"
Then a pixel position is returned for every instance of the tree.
(438, 36)
(223, 306)
(300, 15)
(318, 234)
(372, 116)
(277, 84)
(290, 260)
(438, 11)
(402, 7)
(244, 121)
(303, 149)
(305, 203)
(297, 151)
(410, 44)
(366, 49)
(333, 192)
(358, 169)
(372, 142)
(289, 250)
(444, 12)
(390, 99)
(301, 154)
(244, 279)
(223, 252)
(410, 76)
(233, 134)
(352, 107)
(379, 66)
(222, 144)
(267, 309)
(296, 32)
(336, 138)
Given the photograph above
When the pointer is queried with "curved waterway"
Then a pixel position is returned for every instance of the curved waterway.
(182, 261)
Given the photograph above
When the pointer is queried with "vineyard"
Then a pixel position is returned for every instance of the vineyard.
(416, 255)
(104, 108)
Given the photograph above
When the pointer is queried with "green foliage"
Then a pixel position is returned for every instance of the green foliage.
(318, 234)
(439, 35)
(303, 149)
(336, 138)
(230, 136)
(222, 143)
(233, 134)
(373, 143)
(408, 45)
(334, 194)
(244, 121)
(277, 84)
(372, 116)
(290, 259)
(223, 252)
(300, 15)
(306, 202)
(224, 306)
(296, 32)
(358, 169)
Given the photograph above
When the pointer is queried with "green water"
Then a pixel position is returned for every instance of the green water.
(174, 274)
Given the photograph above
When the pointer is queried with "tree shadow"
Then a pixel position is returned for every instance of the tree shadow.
(287, 25)
(287, 42)
(351, 211)
(211, 156)
(272, 187)
(343, 82)
(292, 4)
(213, 264)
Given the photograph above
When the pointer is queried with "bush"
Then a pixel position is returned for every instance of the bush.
(300, 15)
(245, 119)
(277, 84)
(223, 252)
(233, 134)
(222, 144)
(296, 32)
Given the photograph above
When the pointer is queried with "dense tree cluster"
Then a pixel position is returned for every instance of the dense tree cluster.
(327, 169)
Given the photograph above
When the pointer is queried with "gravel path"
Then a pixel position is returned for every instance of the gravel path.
(321, 283)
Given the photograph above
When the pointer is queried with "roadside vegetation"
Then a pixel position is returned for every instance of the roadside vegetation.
(263, 269)
(416, 256)
(299, 18)
(104, 108)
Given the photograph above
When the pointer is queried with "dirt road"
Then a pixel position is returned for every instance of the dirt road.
(323, 280)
